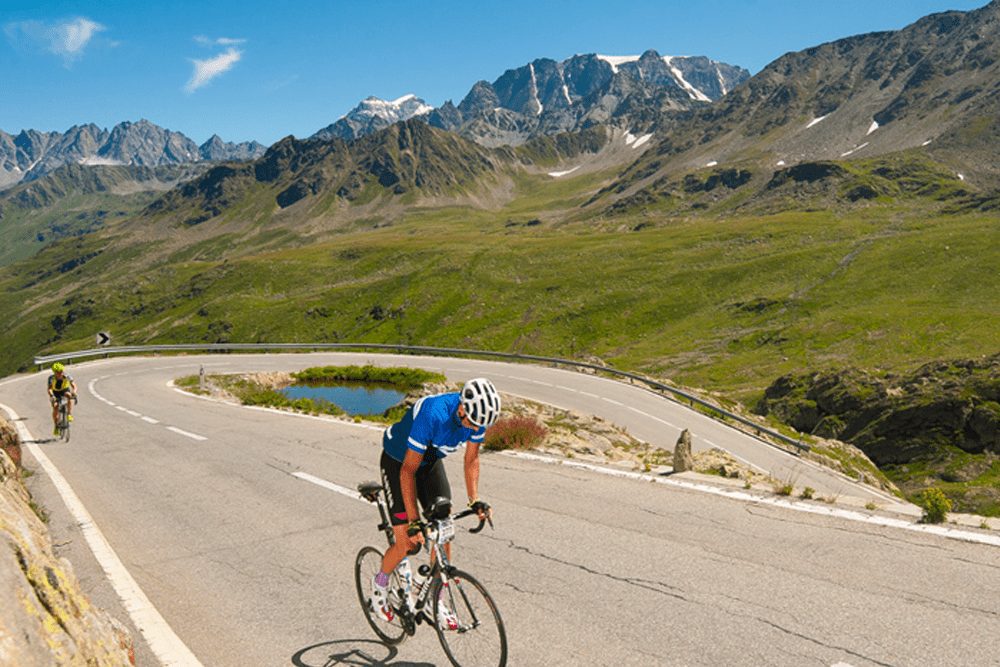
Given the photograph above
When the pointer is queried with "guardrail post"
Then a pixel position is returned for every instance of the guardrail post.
(201, 378)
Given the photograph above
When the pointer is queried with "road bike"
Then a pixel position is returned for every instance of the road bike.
(62, 419)
(473, 633)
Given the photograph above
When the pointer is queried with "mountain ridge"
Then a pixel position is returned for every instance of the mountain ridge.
(547, 97)
(31, 154)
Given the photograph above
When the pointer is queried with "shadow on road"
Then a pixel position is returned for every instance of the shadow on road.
(361, 652)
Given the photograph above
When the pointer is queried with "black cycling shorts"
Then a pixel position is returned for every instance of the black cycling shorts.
(432, 483)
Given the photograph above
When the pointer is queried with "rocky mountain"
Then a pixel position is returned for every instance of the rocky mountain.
(407, 157)
(374, 114)
(932, 87)
(548, 97)
(31, 154)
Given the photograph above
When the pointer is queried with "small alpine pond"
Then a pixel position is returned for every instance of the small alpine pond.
(354, 399)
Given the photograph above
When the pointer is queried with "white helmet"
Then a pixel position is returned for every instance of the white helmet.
(481, 402)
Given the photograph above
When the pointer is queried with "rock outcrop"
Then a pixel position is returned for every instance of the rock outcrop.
(45, 619)
(939, 424)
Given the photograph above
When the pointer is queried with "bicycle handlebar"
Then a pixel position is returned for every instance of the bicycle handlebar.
(469, 512)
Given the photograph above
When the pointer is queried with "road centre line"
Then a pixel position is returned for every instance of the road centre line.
(851, 515)
(162, 640)
(318, 481)
(646, 414)
(193, 436)
(150, 420)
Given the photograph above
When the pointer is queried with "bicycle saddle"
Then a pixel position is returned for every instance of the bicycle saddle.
(369, 490)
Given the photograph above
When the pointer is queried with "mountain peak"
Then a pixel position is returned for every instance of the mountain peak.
(374, 113)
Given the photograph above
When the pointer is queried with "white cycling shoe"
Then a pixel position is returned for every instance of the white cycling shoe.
(379, 603)
(447, 620)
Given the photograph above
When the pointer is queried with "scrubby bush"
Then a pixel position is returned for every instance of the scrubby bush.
(403, 378)
(935, 504)
(514, 432)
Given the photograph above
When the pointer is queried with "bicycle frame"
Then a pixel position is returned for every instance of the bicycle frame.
(415, 602)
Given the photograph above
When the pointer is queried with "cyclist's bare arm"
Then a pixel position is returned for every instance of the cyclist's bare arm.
(472, 477)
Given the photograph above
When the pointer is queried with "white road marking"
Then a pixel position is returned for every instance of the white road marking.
(162, 640)
(318, 481)
(120, 407)
(133, 413)
(612, 401)
(850, 515)
(150, 420)
(193, 436)
(653, 417)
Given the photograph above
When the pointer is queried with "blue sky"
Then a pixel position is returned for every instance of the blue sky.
(259, 70)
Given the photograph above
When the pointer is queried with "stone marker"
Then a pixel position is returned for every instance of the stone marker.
(683, 460)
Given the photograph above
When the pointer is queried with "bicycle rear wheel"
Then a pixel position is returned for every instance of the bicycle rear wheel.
(366, 565)
(480, 639)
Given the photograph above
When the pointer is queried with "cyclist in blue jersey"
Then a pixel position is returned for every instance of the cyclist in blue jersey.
(412, 469)
(60, 384)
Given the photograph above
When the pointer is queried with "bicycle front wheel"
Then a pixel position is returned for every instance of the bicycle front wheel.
(468, 623)
(63, 422)
(367, 565)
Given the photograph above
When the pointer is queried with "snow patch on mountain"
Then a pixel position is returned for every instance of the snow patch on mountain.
(641, 140)
(815, 120)
(872, 127)
(722, 81)
(691, 90)
(557, 174)
(93, 161)
(534, 90)
(402, 108)
(616, 61)
(854, 150)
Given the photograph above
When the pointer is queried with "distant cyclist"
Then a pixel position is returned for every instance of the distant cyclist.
(60, 384)
(412, 470)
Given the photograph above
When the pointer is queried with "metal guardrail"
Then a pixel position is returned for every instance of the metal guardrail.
(756, 428)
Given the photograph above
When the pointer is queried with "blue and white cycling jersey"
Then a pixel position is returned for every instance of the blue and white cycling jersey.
(430, 427)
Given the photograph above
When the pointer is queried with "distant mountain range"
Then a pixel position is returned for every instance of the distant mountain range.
(31, 154)
(547, 97)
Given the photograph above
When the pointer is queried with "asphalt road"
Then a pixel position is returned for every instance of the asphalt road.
(252, 565)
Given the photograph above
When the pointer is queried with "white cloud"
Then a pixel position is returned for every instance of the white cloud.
(221, 41)
(208, 69)
(66, 38)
